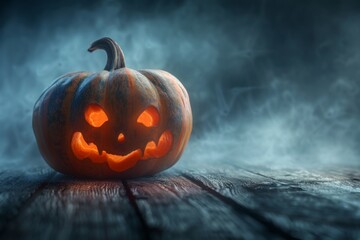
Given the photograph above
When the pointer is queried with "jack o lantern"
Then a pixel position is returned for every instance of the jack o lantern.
(116, 123)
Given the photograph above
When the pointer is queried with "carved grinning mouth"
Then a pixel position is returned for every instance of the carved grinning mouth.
(119, 163)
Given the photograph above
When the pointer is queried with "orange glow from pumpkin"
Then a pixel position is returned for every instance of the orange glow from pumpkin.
(121, 137)
(161, 149)
(149, 117)
(95, 115)
(119, 163)
(83, 150)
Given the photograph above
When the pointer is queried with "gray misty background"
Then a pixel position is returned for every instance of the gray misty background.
(273, 83)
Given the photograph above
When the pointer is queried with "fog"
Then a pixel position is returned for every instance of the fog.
(273, 83)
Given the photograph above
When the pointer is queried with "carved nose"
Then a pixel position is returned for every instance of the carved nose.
(121, 137)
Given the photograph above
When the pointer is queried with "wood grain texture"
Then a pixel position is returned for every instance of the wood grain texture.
(77, 209)
(215, 201)
(303, 205)
(175, 208)
(337, 184)
(17, 187)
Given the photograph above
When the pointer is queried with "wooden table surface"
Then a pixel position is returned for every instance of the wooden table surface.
(200, 201)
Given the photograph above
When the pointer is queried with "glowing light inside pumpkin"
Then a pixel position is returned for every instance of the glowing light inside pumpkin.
(119, 163)
(121, 137)
(95, 115)
(161, 149)
(83, 150)
(149, 117)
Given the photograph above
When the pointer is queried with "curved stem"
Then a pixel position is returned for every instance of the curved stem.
(115, 56)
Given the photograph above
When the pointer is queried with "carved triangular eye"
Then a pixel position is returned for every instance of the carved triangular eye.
(149, 117)
(95, 115)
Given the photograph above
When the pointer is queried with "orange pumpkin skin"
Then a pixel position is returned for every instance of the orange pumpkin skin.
(76, 143)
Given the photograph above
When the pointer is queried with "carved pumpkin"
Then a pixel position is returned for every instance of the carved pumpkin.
(116, 123)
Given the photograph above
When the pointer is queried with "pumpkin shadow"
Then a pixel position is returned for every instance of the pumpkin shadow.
(59, 177)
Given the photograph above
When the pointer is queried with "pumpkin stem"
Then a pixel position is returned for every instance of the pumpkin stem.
(115, 56)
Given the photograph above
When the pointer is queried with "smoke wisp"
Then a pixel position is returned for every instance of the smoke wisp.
(273, 83)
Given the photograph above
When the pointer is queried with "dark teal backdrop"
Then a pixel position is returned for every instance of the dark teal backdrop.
(271, 82)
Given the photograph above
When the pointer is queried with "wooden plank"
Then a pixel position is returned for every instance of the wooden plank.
(16, 188)
(175, 208)
(287, 204)
(67, 208)
(340, 184)
(216, 201)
